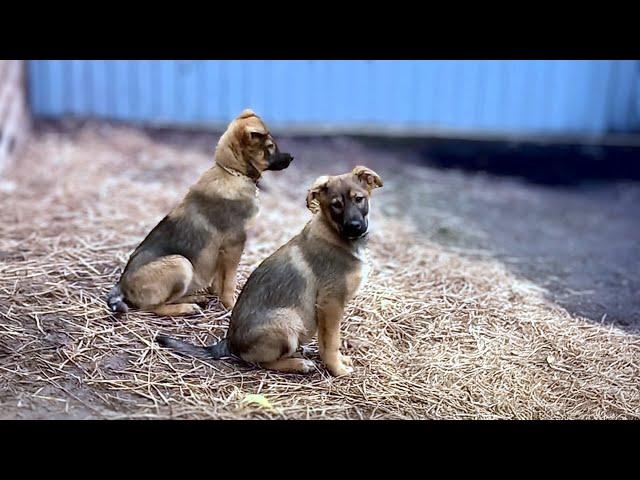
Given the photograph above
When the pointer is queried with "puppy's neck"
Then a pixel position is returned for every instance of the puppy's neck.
(318, 227)
(228, 157)
(220, 182)
(237, 173)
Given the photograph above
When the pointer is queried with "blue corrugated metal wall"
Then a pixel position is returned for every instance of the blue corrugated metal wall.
(584, 97)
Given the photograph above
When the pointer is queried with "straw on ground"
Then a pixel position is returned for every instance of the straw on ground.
(434, 334)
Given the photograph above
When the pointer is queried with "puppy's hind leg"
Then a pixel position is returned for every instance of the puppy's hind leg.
(175, 309)
(291, 365)
(156, 286)
(274, 347)
(192, 299)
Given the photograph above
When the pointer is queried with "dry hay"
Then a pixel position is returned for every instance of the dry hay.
(433, 335)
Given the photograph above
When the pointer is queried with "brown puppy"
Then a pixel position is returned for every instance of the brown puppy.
(304, 286)
(199, 243)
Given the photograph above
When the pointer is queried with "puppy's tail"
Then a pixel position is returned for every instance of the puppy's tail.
(211, 352)
(115, 300)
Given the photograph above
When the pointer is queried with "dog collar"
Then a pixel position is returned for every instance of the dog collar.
(236, 173)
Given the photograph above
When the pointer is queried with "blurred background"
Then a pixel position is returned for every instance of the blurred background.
(535, 162)
(593, 97)
(511, 197)
(550, 121)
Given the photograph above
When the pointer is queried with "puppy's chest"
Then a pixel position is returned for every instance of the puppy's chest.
(360, 275)
(254, 208)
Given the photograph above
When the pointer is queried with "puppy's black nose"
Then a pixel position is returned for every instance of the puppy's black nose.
(354, 228)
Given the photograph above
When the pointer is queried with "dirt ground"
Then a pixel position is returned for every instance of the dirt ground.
(580, 243)
(493, 298)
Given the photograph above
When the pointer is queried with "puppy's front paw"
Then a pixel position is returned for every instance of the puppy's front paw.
(340, 370)
(192, 308)
(307, 365)
(228, 302)
(346, 360)
(200, 300)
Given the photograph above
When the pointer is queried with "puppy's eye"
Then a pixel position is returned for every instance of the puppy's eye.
(258, 135)
(336, 203)
(359, 198)
(271, 148)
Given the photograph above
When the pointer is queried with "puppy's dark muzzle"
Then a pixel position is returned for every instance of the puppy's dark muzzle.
(354, 229)
(279, 161)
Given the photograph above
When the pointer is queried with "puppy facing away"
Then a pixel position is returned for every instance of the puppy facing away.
(304, 286)
(198, 245)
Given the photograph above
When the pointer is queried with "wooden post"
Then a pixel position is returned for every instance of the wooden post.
(14, 116)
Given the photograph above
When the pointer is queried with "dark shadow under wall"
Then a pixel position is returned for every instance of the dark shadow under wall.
(563, 216)
(547, 163)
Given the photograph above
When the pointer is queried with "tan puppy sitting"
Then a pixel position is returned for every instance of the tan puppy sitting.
(199, 243)
(304, 286)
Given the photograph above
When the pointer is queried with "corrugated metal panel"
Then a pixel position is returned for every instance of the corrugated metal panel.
(540, 96)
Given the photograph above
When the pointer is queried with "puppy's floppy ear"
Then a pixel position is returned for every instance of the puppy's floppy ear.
(313, 193)
(246, 113)
(224, 154)
(256, 132)
(367, 177)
